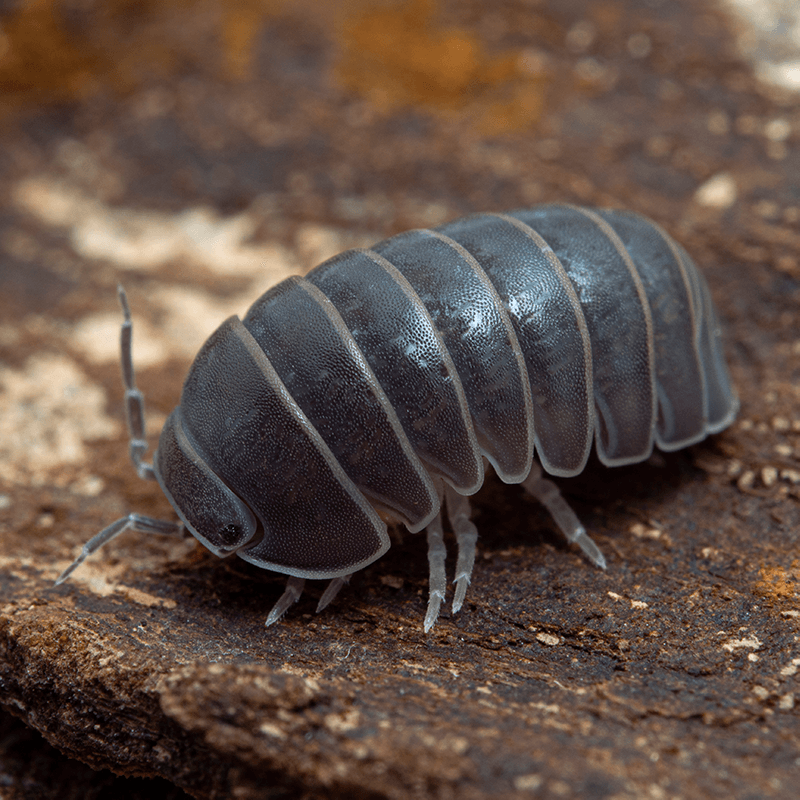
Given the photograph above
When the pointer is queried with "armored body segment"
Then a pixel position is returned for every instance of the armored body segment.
(397, 336)
(478, 334)
(318, 361)
(314, 521)
(721, 401)
(541, 304)
(676, 329)
(618, 319)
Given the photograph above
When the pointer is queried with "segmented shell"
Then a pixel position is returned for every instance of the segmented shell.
(356, 389)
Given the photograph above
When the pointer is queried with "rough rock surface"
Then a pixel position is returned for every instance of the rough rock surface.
(200, 153)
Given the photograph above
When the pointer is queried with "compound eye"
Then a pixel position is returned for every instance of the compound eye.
(230, 535)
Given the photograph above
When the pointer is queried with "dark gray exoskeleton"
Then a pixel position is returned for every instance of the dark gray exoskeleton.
(376, 387)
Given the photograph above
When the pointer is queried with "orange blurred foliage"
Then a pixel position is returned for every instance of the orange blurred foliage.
(393, 54)
(399, 56)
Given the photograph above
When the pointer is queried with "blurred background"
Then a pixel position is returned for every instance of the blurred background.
(199, 151)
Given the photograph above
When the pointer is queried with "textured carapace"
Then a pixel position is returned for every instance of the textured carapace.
(384, 380)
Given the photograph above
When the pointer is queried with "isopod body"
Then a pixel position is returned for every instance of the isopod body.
(379, 385)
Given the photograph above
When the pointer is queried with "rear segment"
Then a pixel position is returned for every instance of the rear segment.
(721, 402)
(695, 394)
(617, 316)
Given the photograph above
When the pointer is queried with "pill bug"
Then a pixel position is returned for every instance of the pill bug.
(379, 386)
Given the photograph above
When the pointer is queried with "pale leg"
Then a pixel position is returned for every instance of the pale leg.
(458, 512)
(547, 493)
(331, 590)
(294, 588)
(438, 580)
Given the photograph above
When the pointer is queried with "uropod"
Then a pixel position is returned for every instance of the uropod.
(378, 387)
